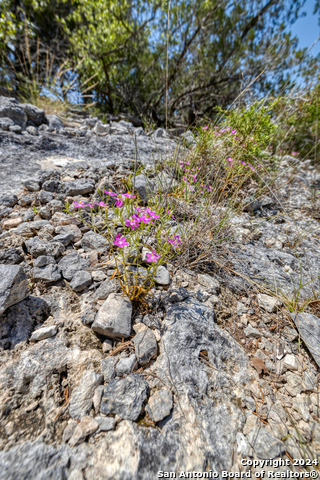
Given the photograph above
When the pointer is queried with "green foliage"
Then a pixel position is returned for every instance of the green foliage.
(254, 126)
(138, 56)
(299, 121)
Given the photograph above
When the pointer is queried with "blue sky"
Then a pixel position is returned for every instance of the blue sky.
(307, 29)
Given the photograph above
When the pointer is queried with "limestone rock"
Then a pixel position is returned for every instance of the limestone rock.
(125, 397)
(94, 241)
(48, 273)
(264, 444)
(162, 276)
(268, 303)
(114, 317)
(80, 281)
(13, 286)
(308, 326)
(43, 333)
(145, 346)
(86, 427)
(81, 398)
(127, 365)
(159, 405)
(72, 263)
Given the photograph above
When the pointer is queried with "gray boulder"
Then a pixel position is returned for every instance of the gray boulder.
(108, 368)
(114, 317)
(44, 260)
(8, 200)
(32, 130)
(265, 444)
(126, 365)
(81, 398)
(10, 256)
(13, 286)
(35, 115)
(125, 397)
(86, 427)
(105, 423)
(31, 185)
(9, 108)
(6, 123)
(162, 276)
(54, 123)
(106, 287)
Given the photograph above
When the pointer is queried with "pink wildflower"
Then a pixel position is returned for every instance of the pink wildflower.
(294, 153)
(127, 195)
(174, 241)
(132, 223)
(109, 192)
(119, 203)
(152, 257)
(120, 241)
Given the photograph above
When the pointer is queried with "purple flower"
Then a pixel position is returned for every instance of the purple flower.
(230, 159)
(174, 241)
(78, 204)
(101, 204)
(109, 192)
(132, 223)
(152, 257)
(119, 203)
(145, 219)
(151, 213)
(294, 153)
(127, 195)
(120, 241)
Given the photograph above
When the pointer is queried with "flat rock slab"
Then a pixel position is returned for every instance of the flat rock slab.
(309, 328)
(114, 317)
(125, 397)
(13, 286)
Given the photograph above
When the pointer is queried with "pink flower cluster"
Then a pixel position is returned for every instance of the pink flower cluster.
(174, 241)
(246, 165)
(191, 176)
(146, 215)
(91, 205)
(119, 199)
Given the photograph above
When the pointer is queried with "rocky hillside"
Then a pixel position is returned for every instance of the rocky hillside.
(210, 375)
